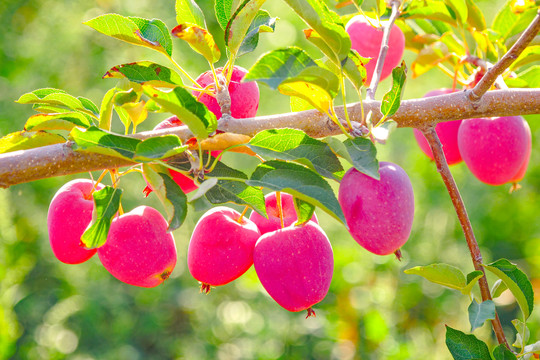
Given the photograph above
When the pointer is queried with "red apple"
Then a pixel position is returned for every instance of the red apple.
(244, 96)
(273, 222)
(495, 149)
(295, 265)
(70, 213)
(221, 247)
(367, 39)
(447, 132)
(139, 251)
(379, 212)
(523, 169)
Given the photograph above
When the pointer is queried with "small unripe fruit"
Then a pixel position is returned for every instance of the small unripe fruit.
(244, 96)
(367, 41)
(274, 222)
(138, 250)
(495, 149)
(447, 133)
(70, 213)
(295, 265)
(221, 247)
(379, 212)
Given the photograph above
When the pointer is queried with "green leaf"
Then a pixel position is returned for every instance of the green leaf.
(106, 205)
(392, 99)
(148, 33)
(300, 182)
(223, 10)
(304, 211)
(516, 281)
(199, 39)
(472, 279)
(100, 141)
(145, 72)
(276, 66)
(529, 78)
(314, 84)
(188, 12)
(159, 147)
(24, 140)
(203, 189)
(529, 55)
(239, 23)
(498, 288)
(434, 10)
(460, 9)
(52, 98)
(58, 121)
(169, 193)
(106, 110)
(295, 145)
(238, 193)
(465, 347)
(476, 18)
(263, 22)
(354, 69)
(363, 156)
(522, 335)
(326, 23)
(181, 103)
(479, 313)
(298, 104)
(442, 274)
(89, 105)
(501, 352)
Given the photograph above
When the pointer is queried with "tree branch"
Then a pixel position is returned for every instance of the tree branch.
(370, 93)
(60, 159)
(489, 78)
(459, 205)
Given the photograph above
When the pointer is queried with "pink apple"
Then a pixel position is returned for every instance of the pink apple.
(523, 169)
(221, 247)
(379, 212)
(447, 132)
(139, 251)
(244, 96)
(495, 149)
(273, 222)
(70, 213)
(295, 265)
(367, 39)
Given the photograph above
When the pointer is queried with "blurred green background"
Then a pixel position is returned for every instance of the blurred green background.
(49, 310)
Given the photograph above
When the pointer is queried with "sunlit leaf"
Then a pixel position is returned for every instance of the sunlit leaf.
(476, 18)
(460, 9)
(223, 10)
(24, 140)
(145, 72)
(442, 274)
(100, 141)
(188, 12)
(434, 10)
(501, 352)
(262, 22)
(522, 333)
(159, 147)
(106, 109)
(239, 23)
(392, 99)
(181, 103)
(199, 39)
(143, 32)
(239, 193)
(304, 211)
(58, 121)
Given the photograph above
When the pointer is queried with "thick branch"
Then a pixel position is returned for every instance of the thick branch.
(493, 73)
(56, 160)
(459, 205)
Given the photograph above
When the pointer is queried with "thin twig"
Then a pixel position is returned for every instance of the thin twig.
(370, 94)
(489, 78)
(457, 201)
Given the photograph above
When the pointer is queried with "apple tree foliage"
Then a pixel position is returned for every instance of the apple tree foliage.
(442, 33)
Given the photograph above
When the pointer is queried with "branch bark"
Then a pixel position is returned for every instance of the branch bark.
(56, 160)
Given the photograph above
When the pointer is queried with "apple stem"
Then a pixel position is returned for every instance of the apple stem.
(279, 208)
(459, 205)
(494, 72)
(96, 183)
(370, 94)
(205, 288)
(310, 313)
(398, 254)
(242, 214)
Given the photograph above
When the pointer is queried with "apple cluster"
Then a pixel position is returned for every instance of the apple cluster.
(138, 251)
(496, 150)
